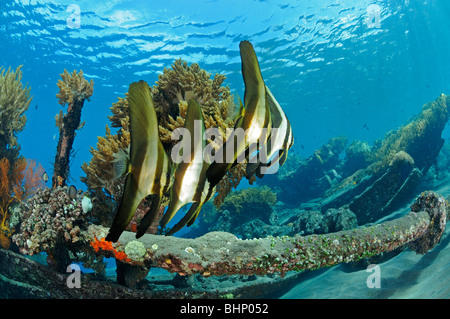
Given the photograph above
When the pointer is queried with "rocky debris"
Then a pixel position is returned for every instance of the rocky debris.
(394, 186)
(311, 177)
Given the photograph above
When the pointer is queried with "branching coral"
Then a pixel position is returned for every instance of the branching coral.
(177, 85)
(14, 101)
(74, 89)
(183, 82)
(229, 181)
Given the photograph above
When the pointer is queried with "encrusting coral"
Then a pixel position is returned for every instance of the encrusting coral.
(175, 86)
(49, 219)
(219, 253)
(14, 101)
(109, 246)
(74, 89)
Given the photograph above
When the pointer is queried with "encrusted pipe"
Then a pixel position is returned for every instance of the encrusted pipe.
(74, 90)
(220, 253)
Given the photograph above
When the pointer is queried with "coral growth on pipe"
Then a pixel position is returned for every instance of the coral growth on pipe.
(74, 89)
(220, 253)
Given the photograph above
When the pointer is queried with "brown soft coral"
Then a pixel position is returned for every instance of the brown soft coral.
(100, 170)
(176, 86)
(14, 101)
(74, 87)
(183, 82)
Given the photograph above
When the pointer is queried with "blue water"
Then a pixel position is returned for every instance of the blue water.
(335, 68)
(333, 71)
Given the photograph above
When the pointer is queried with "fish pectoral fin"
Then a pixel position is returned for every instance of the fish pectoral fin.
(149, 217)
(193, 211)
(131, 199)
(121, 163)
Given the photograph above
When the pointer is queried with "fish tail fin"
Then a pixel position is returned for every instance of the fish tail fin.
(130, 201)
(149, 217)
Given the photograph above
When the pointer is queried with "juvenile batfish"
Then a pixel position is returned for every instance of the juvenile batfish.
(189, 182)
(255, 117)
(148, 167)
(280, 140)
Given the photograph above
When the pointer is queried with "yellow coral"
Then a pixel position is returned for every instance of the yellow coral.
(74, 87)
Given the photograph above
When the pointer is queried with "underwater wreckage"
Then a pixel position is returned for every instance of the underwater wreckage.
(54, 223)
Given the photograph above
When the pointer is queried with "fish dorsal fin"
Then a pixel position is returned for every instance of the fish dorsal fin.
(251, 73)
(143, 117)
(194, 113)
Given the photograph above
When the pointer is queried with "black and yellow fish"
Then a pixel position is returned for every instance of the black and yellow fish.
(279, 142)
(190, 184)
(254, 118)
(148, 167)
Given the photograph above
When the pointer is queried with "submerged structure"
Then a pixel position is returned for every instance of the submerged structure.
(332, 218)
